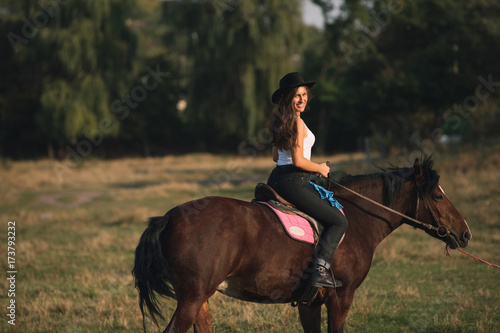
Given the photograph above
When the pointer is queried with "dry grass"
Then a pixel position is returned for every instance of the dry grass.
(77, 228)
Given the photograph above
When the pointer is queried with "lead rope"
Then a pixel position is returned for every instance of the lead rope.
(447, 253)
(481, 260)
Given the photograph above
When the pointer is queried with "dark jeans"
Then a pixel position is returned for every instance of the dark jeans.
(292, 184)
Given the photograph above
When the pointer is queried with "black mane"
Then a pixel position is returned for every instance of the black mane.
(394, 178)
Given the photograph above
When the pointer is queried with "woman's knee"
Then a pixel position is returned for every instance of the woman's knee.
(340, 220)
(344, 220)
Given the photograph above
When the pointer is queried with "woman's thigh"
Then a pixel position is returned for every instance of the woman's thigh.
(296, 189)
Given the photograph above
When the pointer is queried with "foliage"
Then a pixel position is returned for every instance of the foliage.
(235, 53)
(398, 71)
(400, 65)
(83, 52)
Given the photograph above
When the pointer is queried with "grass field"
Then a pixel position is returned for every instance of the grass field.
(77, 228)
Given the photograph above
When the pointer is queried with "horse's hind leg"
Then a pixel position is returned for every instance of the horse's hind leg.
(188, 314)
(202, 323)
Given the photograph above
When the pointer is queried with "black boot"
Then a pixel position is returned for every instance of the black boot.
(321, 277)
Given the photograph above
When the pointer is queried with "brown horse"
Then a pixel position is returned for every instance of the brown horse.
(240, 249)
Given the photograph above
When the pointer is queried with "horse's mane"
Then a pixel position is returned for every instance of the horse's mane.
(394, 177)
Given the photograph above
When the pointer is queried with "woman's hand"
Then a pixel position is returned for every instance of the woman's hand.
(324, 169)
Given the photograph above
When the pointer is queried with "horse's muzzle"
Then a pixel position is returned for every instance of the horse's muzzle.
(466, 237)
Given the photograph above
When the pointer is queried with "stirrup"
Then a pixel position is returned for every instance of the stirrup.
(325, 282)
(322, 276)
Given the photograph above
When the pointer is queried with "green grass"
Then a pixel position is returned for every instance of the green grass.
(74, 260)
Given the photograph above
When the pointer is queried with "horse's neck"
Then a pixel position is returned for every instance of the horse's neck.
(377, 223)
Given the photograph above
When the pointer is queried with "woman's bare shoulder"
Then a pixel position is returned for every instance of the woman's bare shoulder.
(301, 125)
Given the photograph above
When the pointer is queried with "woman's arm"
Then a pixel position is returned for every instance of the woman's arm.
(298, 153)
(275, 154)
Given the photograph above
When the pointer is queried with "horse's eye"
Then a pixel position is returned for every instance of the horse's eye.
(437, 197)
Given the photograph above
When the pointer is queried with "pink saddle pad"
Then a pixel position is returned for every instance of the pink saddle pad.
(295, 226)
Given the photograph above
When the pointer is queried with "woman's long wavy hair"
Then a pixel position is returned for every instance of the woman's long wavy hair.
(282, 122)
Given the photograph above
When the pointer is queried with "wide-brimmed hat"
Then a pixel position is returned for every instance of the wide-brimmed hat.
(289, 81)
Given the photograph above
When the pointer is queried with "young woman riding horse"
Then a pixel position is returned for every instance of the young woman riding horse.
(240, 248)
(291, 178)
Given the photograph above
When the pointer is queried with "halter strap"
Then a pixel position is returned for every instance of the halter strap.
(441, 230)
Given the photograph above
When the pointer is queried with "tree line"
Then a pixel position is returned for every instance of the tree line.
(141, 77)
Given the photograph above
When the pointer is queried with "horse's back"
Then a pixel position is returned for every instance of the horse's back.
(215, 215)
(217, 237)
(211, 229)
(226, 219)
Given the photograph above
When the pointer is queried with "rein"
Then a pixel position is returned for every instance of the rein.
(441, 231)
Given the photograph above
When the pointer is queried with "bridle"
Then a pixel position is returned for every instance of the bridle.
(441, 230)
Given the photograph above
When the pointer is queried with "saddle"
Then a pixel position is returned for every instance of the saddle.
(265, 194)
(298, 226)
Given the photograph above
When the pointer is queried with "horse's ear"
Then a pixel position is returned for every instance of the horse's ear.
(419, 171)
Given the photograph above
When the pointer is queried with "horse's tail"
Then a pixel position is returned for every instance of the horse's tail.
(151, 269)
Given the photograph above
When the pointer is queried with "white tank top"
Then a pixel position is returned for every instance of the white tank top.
(285, 156)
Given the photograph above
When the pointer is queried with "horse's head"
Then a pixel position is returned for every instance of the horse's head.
(434, 208)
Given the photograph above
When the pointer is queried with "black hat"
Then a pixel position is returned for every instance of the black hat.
(289, 81)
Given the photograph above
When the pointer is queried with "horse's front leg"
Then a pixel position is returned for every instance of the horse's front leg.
(202, 323)
(337, 311)
(310, 317)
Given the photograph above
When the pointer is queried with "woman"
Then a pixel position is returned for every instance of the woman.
(292, 152)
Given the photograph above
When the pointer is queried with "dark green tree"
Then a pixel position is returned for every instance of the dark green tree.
(235, 52)
(398, 66)
(83, 53)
